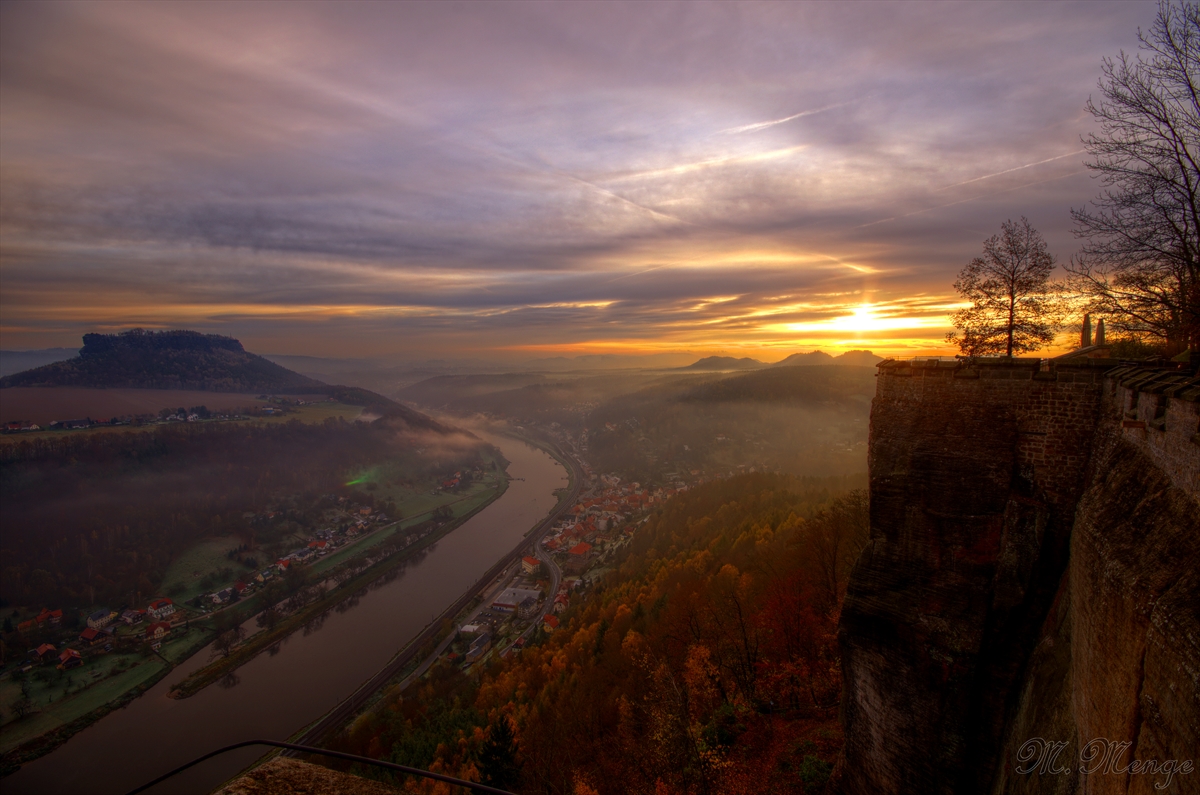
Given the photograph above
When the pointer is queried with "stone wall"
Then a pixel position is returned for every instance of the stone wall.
(977, 472)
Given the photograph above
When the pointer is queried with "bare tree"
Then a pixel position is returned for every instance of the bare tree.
(1014, 306)
(833, 539)
(1140, 262)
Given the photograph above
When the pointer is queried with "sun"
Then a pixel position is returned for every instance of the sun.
(862, 319)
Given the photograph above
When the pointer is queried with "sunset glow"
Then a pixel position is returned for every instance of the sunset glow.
(367, 177)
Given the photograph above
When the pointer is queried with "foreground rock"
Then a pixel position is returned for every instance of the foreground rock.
(282, 776)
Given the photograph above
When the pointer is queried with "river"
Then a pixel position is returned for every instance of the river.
(276, 694)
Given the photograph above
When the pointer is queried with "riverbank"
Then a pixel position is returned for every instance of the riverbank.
(425, 645)
(265, 639)
(44, 731)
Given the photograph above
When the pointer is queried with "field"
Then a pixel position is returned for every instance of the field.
(61, 697)
(314, 412)
(45, 404)
(182, 580)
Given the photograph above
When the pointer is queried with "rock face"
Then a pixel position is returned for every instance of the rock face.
(1030, 574)
(282, 776)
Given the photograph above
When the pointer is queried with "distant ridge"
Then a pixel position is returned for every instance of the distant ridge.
(725, 363)
(852, 358)
(189, 360)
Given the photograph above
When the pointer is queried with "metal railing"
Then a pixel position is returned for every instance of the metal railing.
(413, 771)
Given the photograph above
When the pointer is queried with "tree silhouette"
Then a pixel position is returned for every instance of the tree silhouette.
(1014, 307)
(1140, 262)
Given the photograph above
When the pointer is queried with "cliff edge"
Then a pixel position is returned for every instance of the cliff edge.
(1030, 585)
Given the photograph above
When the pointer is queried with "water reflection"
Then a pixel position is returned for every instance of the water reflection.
(307, 673)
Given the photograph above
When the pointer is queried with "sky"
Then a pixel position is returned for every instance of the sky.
(522, 180)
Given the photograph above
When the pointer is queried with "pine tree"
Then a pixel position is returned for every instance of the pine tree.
(498, 758)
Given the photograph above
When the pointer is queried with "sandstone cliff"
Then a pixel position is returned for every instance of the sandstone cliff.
(1031, 576)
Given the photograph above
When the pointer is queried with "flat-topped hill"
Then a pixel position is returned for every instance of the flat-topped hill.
(191, 361)
(166, 360)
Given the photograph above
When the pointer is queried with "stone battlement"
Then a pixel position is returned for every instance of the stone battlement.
(1159, 412)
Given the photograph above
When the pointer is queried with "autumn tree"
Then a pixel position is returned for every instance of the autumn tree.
(1140, 261)
(1014, 305)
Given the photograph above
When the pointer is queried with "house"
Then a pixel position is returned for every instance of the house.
(44, 652)
(54, 617)
(159, 609)
(221, 597)
(508, 601)
(157, 631)
(580, 550)
(70, 659)
(529, 564)
(527, 607)
(101, 618)
(550, 622)
(133, 616)
(91, 636)
(283, 564)
(479, 647)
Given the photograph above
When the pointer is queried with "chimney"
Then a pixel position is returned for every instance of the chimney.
(1100, 331)
(1085, 339)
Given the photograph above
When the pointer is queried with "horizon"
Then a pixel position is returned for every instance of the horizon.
(520, 181)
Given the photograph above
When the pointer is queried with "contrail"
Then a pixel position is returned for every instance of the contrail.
(762, 125)
(964, 201)
(1010, 170)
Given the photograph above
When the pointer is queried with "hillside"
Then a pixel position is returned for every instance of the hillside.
(188, 360)
(705, 661)
(802, 420)
(19, 361)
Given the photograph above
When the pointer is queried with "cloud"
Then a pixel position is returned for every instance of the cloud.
(404, 177)
(762, 125)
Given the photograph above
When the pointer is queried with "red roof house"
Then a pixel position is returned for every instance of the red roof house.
(157, 630)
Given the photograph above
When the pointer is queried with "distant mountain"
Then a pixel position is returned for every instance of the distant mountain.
(858, 359)
(725, 363)
(166, 360)
(851, 358)
(829, 384)
(805, 360)
(178, 359)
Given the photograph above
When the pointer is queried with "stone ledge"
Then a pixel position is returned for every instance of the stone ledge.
(283, 776)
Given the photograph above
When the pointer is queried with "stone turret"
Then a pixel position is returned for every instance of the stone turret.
(1085, 337)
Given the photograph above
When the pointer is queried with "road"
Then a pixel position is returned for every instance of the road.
(492, 580)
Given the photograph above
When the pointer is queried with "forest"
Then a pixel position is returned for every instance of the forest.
(98, 518)
(706, 661)
(801, 420)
